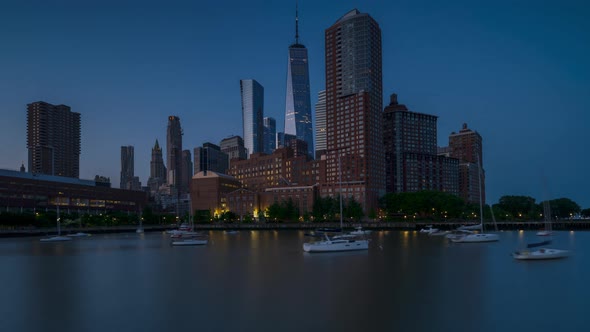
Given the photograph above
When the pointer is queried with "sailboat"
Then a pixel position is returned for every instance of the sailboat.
(481, 236)
(543, 252)
(58, 237)
(547, 212)
(334, 243)
(189, 237)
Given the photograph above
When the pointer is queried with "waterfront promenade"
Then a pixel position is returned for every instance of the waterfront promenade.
(395, 225)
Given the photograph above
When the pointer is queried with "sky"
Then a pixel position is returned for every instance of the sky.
(517, 72)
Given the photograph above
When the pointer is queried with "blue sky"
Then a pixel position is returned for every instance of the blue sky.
(518, 72)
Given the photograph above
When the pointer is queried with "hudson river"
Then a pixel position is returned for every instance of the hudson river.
(263, 281)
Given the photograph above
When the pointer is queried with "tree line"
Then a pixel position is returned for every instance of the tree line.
(422, 205)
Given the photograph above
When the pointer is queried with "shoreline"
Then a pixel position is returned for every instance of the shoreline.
(408, 226)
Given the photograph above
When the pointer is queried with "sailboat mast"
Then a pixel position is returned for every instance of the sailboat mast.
(340, 175)
(480, 198)
(58, 222)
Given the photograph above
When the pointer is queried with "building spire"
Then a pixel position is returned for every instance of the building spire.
(296, 24)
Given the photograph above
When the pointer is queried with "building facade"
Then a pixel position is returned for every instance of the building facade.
(209, 157)
(252, 114)
(21, 191)
(127, 167)
(270, 135)
(467, 146)
(411, 153)
(174, 153)
(157, 169)
(320, 125)
(355, 156)
(186, 171)
(298, 121)
(234, 147)
(53, 139)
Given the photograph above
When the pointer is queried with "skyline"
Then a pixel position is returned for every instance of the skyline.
(125, 69)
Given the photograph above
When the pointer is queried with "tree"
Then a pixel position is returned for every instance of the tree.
(519, 207)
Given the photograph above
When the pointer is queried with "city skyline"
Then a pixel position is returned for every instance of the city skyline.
(516, 74)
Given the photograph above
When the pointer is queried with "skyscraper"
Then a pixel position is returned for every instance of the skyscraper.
(174, 152)
(320, 124)
(157, 169)
(127, 167)
(210, 158)
(297, 103)
(252, 114)
(234, 147)
(354, 101)
(53, 139)
(270, 135)
(186, 171)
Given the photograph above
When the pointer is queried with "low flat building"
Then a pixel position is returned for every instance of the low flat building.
(21, 191)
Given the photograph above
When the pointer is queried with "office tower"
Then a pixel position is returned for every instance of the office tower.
(252, 113)
(354, 127)
(53, 139)
(211, 158)
(157, 169)
(412, 161)
(297, 103)
(234, 147)
(186, 171)
(174, 152)
(283, 140)
(320, 124)
(467, 146)
(127, 167)
(270, 135)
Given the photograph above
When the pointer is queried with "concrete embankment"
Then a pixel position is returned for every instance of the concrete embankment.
(505, 225)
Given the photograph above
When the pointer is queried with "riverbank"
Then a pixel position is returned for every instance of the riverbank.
(505, 225)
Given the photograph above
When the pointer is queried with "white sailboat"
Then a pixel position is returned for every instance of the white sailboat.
(341, 243)
(188, 237)
(58, 237)
(543, 252)
(481, 236)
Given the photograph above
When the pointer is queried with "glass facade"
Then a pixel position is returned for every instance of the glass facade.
(252, 114)
(298, 104)
(270, 135)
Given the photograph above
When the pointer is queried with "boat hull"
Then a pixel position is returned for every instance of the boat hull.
(540, 254)
(56, 239)
(475, 238)
(189, 242)
(331, 246)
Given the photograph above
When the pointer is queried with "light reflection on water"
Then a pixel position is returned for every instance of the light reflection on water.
(263, 281)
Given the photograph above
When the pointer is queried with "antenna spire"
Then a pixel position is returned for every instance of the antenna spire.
(296, 24)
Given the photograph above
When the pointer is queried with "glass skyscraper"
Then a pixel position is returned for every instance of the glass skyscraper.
(298, 104)
(270, 135)
(252, 114)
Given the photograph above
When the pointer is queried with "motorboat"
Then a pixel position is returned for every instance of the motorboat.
(544, 233)
(336, 244)
(474, 238)
(428, 229)
(190, 242)
(542, 253)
